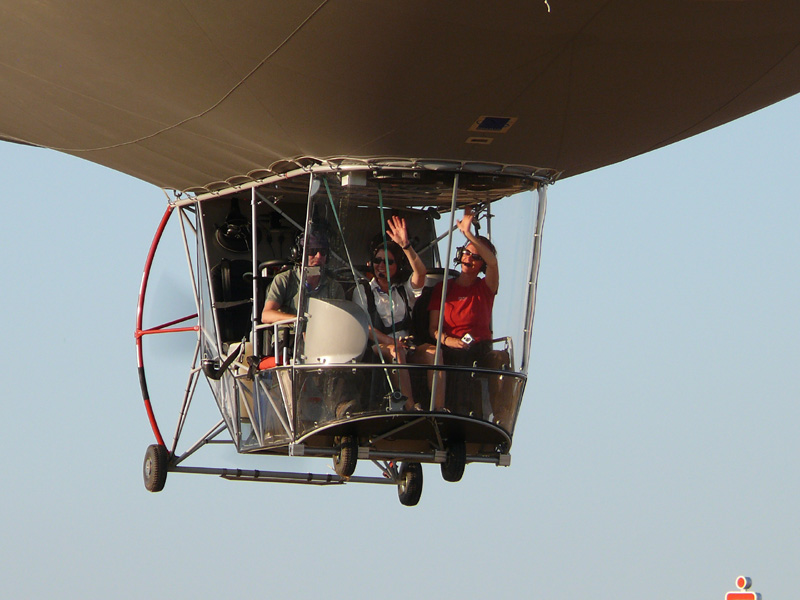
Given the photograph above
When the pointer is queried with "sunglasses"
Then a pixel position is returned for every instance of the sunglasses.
(475, 255)
(382, 261)
(320, 251)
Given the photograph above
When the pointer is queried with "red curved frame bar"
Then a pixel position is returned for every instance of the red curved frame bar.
(163, 328)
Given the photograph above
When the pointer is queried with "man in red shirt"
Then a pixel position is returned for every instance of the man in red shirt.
(467, 328)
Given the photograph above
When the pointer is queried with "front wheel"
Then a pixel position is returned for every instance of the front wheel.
(456, 461)
(156, 460)
(344, 462)
(409, 487)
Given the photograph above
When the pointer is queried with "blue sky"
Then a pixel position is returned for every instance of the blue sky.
(656, 453)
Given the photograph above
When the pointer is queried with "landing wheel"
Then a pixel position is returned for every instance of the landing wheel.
(409, 487)
(344, 463)
(453, 466)
(156, 460)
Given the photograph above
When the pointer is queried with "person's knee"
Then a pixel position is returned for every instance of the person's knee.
(425, 354)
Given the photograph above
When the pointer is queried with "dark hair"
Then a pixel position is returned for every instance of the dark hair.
(481, 238)
(400, 259)
(489, 243)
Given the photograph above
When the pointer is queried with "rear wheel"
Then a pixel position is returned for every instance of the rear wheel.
(409, 487)
(456, 461)
(156, 460)
(344, 463)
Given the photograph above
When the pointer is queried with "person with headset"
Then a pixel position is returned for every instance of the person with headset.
(389, 297)
(284, 291)
(467, 327)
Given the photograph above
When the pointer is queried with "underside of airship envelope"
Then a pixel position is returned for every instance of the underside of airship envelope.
(203, 95)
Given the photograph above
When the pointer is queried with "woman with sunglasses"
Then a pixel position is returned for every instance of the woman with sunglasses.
(467, 330)
(390, 296)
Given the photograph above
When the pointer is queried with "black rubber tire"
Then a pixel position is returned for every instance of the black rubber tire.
(456, 461)
(409, 487)
(156, 461)
(344, 463)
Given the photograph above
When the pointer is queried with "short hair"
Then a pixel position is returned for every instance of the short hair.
(489, 243)
(483, 240)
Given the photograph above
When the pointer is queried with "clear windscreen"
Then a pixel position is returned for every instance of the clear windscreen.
(356, 266)
(373, 297)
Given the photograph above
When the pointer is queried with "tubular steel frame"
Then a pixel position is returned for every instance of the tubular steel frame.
(385, 461)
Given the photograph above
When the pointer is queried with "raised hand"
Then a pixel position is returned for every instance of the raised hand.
(397, 231)
(465, 224)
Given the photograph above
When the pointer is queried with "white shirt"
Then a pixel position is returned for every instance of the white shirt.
(383, 305)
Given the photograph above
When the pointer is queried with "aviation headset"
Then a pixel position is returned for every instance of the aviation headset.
(316, 239)
(460, 252)
(400, 258)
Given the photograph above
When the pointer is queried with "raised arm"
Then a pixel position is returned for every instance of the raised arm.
(398, 233)
(492, 269)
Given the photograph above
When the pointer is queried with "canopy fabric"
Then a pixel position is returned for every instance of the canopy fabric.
(192, 94)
